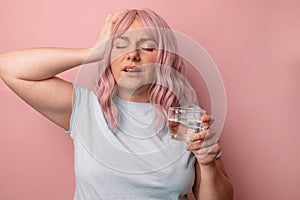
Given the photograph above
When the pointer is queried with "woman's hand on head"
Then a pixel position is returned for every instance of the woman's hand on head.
(98, 48)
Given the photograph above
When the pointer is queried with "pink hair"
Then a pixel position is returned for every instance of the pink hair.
(168, 87)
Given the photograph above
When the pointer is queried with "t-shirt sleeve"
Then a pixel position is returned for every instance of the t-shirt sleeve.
(80, 100)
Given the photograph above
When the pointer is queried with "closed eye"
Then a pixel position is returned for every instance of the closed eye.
(148, 49)
(147, 45)
(121, 43)
(121, 46)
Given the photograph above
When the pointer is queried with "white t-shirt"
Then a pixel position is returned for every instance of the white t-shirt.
(134, 162)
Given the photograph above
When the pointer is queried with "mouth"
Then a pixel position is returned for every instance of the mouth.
(132, 69)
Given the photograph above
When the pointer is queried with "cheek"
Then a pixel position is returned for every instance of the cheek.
(117, 54)
(114, 56)
(151, 58)
(115, 63)
(150, 75)
(115, 72)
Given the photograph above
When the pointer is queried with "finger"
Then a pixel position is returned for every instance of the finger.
(110, 21)
(117, 15)
(199, 136)
(199, 144)
(108, 18)
(206, 139)
(210, 139)
(206, 126)
(208, 143)
(206, 156)
(111, 18)
(194, 146)
(122, 12)
(209, 151)
(207, 119)
(203, 135)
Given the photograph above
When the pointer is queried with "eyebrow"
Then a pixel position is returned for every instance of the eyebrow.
(140, 40)
(122, 38)
(146, 39)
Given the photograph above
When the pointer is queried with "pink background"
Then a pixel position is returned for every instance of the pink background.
(256, 47)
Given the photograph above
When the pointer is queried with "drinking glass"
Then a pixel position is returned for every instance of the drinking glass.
(184, 122)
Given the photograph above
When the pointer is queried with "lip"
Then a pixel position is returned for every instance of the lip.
(131, 69)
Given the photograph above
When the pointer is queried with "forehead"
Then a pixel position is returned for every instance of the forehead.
(134, 25)
(135, 30)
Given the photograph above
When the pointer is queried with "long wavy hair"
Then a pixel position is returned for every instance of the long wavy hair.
(169, 88)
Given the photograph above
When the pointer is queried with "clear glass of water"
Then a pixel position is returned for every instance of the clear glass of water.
(184, 122)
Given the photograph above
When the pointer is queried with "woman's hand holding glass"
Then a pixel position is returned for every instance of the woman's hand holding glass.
(205, 144)
(184, 122)
(192, 125)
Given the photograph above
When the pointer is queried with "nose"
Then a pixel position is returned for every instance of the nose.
(134, 56)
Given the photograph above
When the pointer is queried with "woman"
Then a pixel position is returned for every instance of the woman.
(119, 132)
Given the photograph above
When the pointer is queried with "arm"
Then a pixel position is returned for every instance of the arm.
(40, 63)
(31, 74)
(211, 182)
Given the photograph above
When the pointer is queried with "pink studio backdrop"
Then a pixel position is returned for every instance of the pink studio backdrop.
(256, 47)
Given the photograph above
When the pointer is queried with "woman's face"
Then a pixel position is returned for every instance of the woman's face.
(132, 56)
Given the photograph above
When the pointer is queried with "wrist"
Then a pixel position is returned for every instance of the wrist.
(209, 171)
(89, 55)
(97, 51)
(208, 166)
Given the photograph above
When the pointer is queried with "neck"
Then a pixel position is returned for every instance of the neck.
(138, 95)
